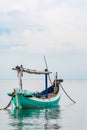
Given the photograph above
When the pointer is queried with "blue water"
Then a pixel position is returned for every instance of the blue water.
(67, 116)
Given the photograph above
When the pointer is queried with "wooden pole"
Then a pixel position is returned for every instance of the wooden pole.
(46, 83)
(47, 69)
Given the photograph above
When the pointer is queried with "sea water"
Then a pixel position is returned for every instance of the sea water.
(67, 116)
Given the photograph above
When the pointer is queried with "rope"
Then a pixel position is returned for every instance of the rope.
(8, 105)
(67, 94)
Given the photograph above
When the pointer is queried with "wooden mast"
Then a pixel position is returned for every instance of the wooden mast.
(46, 83)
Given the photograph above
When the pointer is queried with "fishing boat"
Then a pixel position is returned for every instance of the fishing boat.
(49, 97)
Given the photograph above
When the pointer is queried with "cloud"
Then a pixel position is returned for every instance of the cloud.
(44, 25)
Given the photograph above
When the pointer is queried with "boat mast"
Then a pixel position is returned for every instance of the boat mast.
(46, 83)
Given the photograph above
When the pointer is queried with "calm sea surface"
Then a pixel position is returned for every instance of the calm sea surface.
(68, 116)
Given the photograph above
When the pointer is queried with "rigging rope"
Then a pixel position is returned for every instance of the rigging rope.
(8, 105)
(67, 94)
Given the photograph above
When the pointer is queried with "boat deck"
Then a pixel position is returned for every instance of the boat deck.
(51, 95)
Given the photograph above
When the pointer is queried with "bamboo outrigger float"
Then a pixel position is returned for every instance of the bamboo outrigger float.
(47, 98)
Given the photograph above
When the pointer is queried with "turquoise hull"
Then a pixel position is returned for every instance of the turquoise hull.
(20, 101)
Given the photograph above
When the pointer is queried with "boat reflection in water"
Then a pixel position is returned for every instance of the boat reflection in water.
(35, 118)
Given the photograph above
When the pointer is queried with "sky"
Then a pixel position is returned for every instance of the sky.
(32, 29)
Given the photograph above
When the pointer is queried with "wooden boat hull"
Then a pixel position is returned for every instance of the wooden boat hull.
(20, 101)
(22, 98)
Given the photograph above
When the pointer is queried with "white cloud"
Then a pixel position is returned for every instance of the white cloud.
(44, 26)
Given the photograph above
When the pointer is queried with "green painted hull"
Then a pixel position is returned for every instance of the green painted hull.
(19, 101)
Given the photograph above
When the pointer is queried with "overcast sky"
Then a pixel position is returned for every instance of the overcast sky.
(30, 29)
